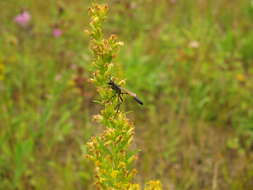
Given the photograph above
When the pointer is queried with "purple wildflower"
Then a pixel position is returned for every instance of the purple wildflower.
(57, 32)
(23, 18)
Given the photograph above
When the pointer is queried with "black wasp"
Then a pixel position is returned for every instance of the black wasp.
(119, 91)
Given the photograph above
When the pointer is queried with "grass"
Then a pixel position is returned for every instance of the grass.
(191, 63)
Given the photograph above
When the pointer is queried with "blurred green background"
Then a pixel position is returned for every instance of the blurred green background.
(190, 61)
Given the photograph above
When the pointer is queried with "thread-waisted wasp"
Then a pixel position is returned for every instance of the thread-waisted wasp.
(119, 91)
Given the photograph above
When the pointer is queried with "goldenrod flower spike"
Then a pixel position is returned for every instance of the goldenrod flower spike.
(109, 151)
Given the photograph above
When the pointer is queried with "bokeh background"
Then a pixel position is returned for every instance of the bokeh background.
(190, 61)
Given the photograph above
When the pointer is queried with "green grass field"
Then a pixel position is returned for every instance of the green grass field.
(191, 62)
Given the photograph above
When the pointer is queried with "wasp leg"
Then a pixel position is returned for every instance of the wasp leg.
(120, 97)
(120, 100)
(110, 99)
(117, 107)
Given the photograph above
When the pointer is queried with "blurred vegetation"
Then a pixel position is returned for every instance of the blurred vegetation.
(190, 61)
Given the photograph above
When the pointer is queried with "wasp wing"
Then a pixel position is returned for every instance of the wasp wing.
(131, 94)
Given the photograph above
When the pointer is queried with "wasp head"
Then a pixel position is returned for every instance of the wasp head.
(110, 82)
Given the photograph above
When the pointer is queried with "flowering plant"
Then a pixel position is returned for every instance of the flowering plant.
(110, 151)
